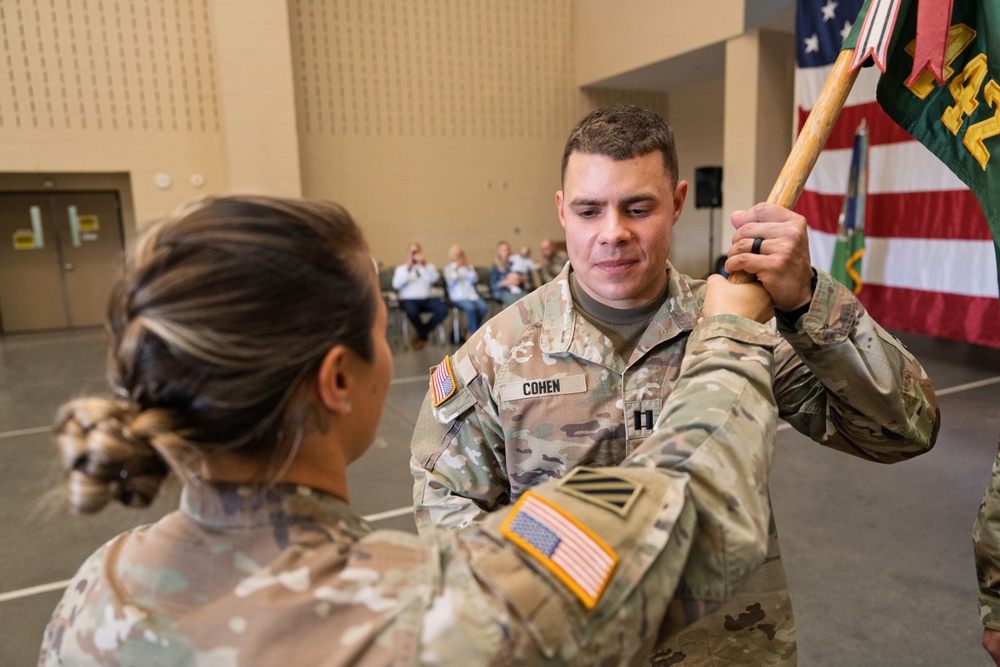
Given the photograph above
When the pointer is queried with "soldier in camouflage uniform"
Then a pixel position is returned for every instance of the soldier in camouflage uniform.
(259, 394)
(986, 546)
(578, 373)
(553, 260)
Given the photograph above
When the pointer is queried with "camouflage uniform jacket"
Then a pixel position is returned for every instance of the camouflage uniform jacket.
(540, 391)
(553, 266)
(289, 575)
(986, 546)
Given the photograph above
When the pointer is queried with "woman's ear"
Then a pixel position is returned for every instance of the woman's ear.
(335, 380)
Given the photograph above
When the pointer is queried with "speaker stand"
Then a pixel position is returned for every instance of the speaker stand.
(711, 241)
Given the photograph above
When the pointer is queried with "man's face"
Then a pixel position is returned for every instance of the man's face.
(619, 218)
(547, 249)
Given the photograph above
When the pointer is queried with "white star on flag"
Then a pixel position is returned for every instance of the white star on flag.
(846, 31)
(828, 9)
(812, 43)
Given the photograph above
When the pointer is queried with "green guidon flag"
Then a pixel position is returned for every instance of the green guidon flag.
(959, 120)
(850, 247)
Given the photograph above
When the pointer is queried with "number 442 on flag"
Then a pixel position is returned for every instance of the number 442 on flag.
(941, 82)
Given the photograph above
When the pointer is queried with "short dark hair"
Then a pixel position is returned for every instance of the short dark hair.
(623, 132)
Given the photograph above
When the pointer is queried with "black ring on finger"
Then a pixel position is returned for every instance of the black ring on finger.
(755, 248)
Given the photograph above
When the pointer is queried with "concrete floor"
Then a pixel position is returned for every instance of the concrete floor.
(879, 557)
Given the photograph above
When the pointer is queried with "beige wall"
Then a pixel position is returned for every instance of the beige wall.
(759, 85)
(627, 34)
(696, 116)
(442, 191)
(440, 122)
(254, 63)
(126, 86)
(776, 121)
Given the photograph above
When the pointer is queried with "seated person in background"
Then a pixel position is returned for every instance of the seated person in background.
(506, 284)
(523, 264)
(553, 260)
(413, 282)
(579, 373)
(250, 401)
(460, 278)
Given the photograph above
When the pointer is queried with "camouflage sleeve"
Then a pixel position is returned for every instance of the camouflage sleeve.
(986, 547)
(72, 612)
(710, 456)
(845, 382)
(718, 427)
(457, 457)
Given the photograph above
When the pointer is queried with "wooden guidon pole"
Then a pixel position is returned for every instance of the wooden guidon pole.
(811, 140)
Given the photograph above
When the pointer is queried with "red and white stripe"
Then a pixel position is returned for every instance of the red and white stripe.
(579, 556)
(875, 32)
(929, 266)
(442, 383)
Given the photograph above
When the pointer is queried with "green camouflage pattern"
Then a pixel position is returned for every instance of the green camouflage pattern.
(553, 266)
(839, 378)
(986, 547)
(289, 575)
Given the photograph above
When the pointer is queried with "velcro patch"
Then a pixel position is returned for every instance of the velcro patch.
(466, 370)
(563, 545)
(515, 391)
(597, 487)
(442, 382)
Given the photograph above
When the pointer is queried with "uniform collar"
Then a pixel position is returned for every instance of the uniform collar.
(565, 330)
(242, 507)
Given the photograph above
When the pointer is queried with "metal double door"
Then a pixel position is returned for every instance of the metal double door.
(60, 254)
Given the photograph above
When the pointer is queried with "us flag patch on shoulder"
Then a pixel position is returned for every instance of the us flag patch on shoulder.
(563, 545)
(442, 382)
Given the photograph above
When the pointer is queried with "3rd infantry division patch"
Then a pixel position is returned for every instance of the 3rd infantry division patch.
(602, 489)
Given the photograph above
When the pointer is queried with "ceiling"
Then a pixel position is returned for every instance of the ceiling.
(703, 64)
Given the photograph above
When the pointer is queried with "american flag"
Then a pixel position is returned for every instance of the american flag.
(926, 236)
(580, 559)
(442, 383)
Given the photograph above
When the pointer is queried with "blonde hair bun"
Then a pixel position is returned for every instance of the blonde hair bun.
(104, 458)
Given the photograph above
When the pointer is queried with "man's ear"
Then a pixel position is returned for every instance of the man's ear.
(559, 207)
(335, 380)
(680, 194)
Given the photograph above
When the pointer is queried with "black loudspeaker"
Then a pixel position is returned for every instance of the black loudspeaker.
(708, 187)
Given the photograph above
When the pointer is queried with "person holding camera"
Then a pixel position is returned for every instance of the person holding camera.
(461, 279)
(413, 282)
